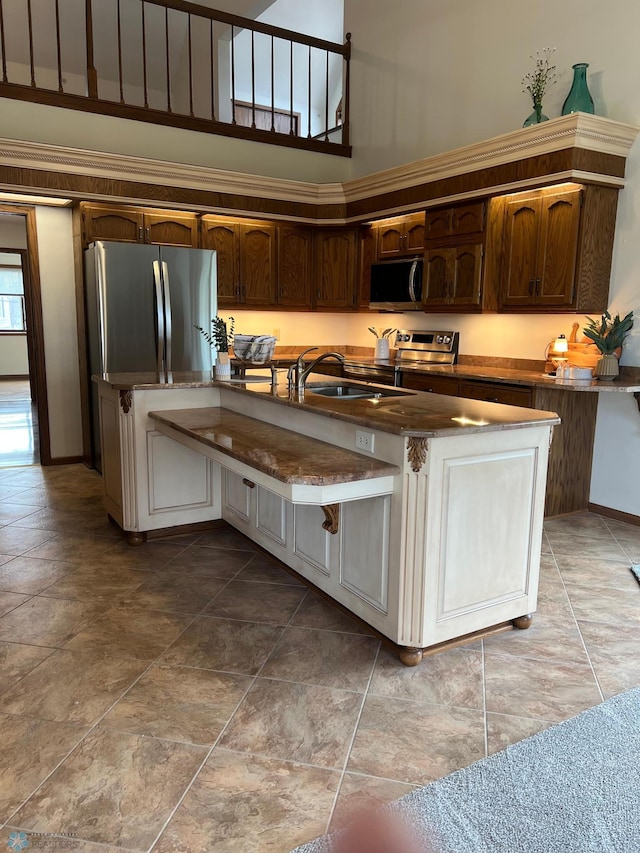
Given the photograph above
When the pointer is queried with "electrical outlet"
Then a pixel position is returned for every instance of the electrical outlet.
(276, 334)
(364, 440)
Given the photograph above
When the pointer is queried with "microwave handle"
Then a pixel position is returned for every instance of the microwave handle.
(412, 281)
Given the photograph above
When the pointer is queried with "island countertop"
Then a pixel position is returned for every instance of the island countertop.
(403, 412)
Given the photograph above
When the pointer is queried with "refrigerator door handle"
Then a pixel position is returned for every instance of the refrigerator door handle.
(167, 317)
(101, 281)
(160, 334)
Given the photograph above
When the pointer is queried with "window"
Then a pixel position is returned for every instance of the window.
(12, 313)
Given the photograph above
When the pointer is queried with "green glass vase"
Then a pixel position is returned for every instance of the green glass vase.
(579, 99)
(536, 116)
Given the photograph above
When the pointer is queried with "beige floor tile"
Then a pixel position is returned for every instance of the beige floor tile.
(95, 582)
(605, 604)
(247, 804)
(553, 600)
(6, 558)
(179, 703)
(316, 612)
(151, 556)
(10, 600)
(131, 632)
(326, 658)
(295, 722)
(48, 621)
(71, 687)
(614, 651)
(16, 660)
(415, 742)
(358, 794)
(538, 689)
(452, 677)
(274, 604)
(30, 751)
(91, 521)
(211, 562)
(504, 729)
(31, 576)
(176, 592)
(586, 523)
(549, 568)
(116, 789)
(605, 548)
(17, 541)
(581, 570)
(261, 568)
(39, 841)
(224, 644)
(13, 512)
(548, 638)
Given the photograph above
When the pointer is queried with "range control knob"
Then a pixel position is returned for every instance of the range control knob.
(447, 339)
(439, 339)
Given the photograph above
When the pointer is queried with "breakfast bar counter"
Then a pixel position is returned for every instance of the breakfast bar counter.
(422, 514)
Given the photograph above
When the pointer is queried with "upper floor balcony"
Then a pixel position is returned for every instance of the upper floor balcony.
(176, 63)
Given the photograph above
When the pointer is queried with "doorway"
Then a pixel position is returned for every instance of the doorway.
(24, 433)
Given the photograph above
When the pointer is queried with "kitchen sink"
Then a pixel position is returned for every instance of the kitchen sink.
(352, 392)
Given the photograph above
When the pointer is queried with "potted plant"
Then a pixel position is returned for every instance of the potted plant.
(220, 339)
(608, 334)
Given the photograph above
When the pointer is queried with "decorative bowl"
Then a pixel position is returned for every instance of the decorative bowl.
(253, 349)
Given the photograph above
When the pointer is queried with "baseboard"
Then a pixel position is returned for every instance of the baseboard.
(64, 460)
(8, 377)
(179, 529)
(627, 517)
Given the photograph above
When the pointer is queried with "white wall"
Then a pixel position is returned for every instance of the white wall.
(293, 328)
(430, 76)
(55, 249)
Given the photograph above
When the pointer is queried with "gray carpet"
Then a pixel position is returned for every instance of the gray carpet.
(573, 788)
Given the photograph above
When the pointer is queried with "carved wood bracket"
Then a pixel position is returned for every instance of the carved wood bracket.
(417, 452)
(331, 521)
(126, 401)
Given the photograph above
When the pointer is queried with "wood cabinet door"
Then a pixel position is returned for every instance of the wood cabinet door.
(414, 234)
(558, 247)
(391, 240)
(438, 273)
(112, 223)
(466, 275)
(467, 219)
(224, 237)
(447, 385)
(522, 226)
(336, 266)
(490, 392)
(171, 229)
(294, 266)
(437, 223)
(258, 264)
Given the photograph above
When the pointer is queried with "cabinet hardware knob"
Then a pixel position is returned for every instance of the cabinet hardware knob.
(492, 400)
(140, 233)
(248, 483)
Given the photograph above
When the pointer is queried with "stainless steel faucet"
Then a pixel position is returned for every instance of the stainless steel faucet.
(301, 375)
(293, 374)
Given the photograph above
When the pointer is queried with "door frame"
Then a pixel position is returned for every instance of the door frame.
(35, 326)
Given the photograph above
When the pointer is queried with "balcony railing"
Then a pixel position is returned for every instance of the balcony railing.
(176, 63)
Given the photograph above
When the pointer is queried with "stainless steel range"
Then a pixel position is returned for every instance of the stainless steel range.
(412, 347)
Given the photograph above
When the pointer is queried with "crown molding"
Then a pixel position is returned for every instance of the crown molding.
(576, 131)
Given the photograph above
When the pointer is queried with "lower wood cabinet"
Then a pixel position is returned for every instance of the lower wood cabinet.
(497, 392)
(447, 385)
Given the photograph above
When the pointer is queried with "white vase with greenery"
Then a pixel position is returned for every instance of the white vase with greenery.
(220, 339)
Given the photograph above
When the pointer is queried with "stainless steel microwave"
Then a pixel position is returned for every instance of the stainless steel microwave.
(396, 286)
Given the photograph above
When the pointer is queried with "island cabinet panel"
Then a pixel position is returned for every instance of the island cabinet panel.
(238, 497)
(336, 264)
(364, 552)
(223, 236)
(258, 264)
(177, 478)
(295, 257)
(271, 515)
(311, 542)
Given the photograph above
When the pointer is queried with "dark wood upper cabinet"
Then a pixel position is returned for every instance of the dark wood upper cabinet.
(438, 265)
(258, 264)
(541, 250)
(461, 220)
(171, 229)
(452, 276)
(224, 236)
(401, 237)
(335, 261)
(295, 257)
(107, 222)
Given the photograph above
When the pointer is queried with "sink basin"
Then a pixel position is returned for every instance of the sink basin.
(352, 392)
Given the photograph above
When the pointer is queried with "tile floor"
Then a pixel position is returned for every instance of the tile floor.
(18, 424)
(189, 695)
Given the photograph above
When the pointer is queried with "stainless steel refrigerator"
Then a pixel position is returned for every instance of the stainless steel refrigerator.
(143, 303)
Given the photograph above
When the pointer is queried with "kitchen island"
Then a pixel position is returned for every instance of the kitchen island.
(420, 513)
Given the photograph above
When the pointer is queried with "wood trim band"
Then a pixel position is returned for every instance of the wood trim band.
(8, 377)
(65, 460)
(617, 514)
